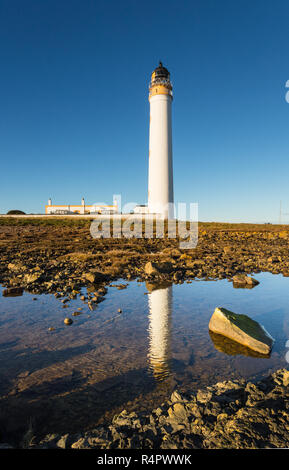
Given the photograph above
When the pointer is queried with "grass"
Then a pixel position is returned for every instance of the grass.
(62, 222)
(85, 223)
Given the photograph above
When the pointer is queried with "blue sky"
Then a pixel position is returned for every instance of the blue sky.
(74, 110)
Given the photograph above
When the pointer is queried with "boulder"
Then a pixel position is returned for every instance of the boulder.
(242, 329)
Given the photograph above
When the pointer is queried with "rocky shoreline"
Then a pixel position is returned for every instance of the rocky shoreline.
(61, 259)
(228, 415)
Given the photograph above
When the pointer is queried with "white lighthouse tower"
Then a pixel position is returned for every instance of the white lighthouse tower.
(160, 184)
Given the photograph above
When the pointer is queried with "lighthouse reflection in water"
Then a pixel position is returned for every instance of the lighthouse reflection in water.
(160, 317)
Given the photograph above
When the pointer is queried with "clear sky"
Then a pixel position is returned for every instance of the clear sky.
(74, 110)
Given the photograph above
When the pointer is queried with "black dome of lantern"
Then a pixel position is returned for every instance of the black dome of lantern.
(161, 71)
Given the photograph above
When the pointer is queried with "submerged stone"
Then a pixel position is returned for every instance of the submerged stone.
(242, 329)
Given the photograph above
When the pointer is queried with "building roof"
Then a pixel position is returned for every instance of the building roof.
(161, 71)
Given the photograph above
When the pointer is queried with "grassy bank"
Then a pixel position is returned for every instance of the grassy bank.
(80, 222)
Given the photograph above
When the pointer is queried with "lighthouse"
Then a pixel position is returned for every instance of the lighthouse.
(160, 180)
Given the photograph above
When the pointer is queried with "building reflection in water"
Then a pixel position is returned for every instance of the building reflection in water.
(160, 316)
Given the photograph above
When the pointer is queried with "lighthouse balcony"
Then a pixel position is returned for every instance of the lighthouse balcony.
(161, 81)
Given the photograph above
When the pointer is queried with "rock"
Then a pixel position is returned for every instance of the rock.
(242, 329)
(176, 397)
(251, 281)
(63, 441)
(203, 396)
(32, 277)
(68, 321)
(158, 268)
(284, 234)
(281, 377)
(273, 259)
(94, 277)
(16, 267)
(228, 249)
(243, 280)
(195, 263)
(49, 441)
(177, 413)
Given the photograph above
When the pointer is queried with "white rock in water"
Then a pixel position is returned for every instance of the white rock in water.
(242, 329)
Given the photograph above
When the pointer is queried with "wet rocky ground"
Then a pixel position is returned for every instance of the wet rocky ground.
(61, 257)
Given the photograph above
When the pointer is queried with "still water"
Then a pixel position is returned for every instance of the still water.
(78, 375)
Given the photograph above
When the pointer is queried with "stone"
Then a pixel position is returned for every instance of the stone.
(195, 263)
(16, 267)
(178, 413)
(62, 442)
(281, 377)
(203, 396)
(242, 329)
(176, 397)
(94, 276)
(228, 250)
(68, 321)
(158, 268)
(243, 280)
(33, 277)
